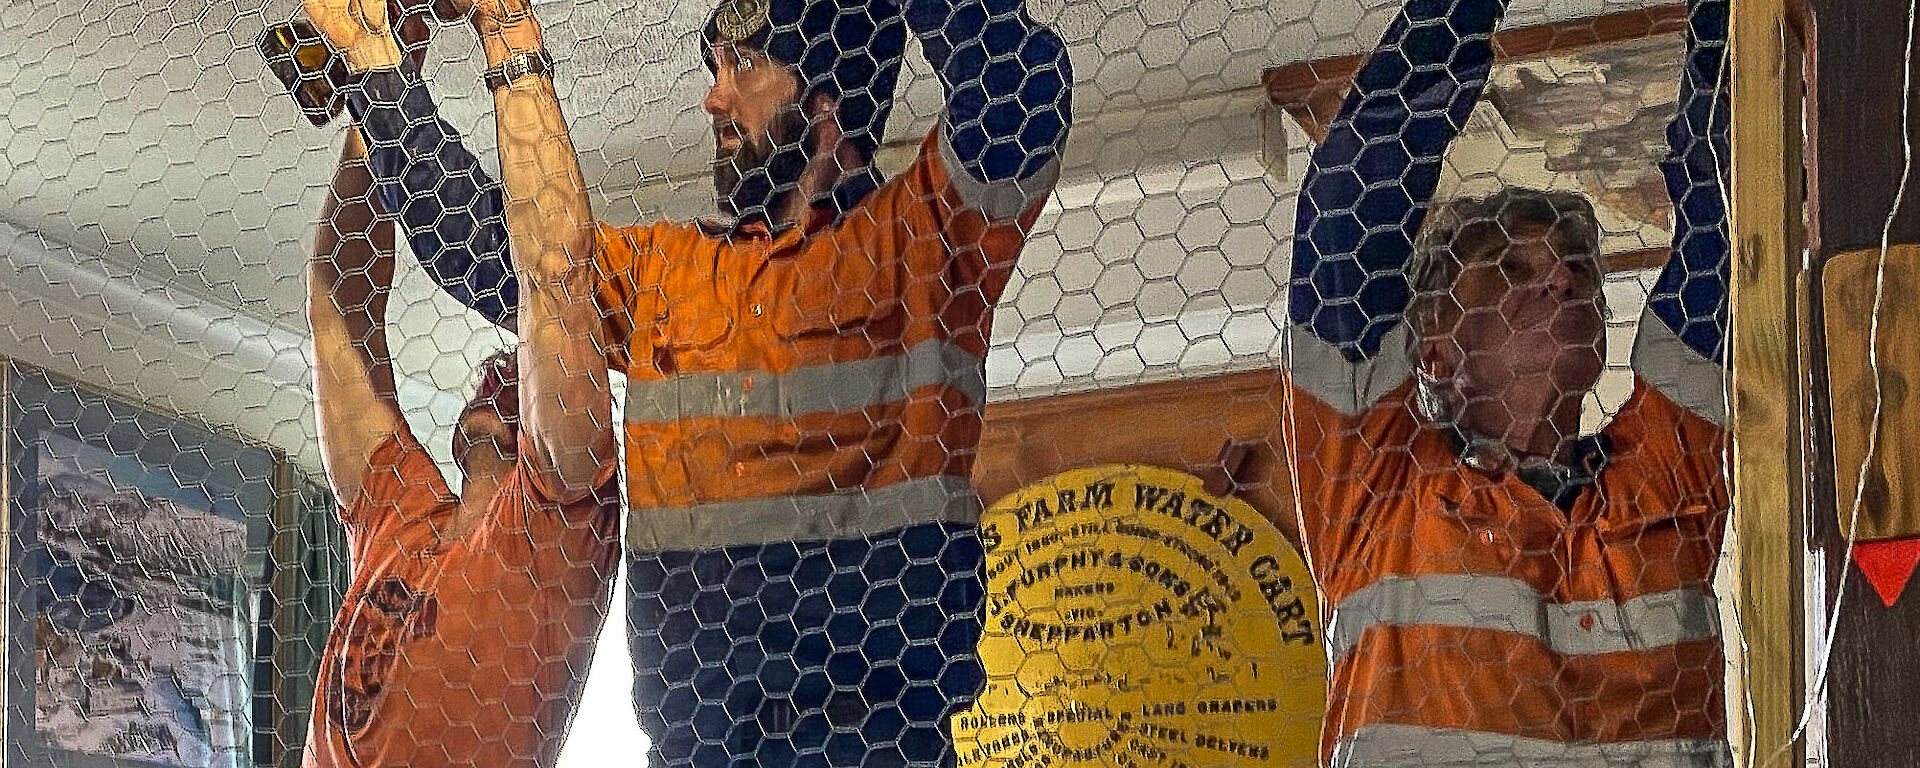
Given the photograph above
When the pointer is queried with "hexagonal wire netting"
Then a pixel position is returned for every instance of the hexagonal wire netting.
(273, 499)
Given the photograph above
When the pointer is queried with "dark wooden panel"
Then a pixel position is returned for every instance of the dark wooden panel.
(1854, 98)
(1855, 54)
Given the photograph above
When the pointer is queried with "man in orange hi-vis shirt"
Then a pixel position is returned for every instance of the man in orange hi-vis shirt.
(1502, 590)
(470, 620)
(805, 376)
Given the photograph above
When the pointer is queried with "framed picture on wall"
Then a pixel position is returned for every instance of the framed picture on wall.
(139, 572)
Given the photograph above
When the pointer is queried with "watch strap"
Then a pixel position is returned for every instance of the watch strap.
(518, 66)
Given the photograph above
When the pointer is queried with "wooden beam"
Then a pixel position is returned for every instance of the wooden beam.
(1634, 261)
(1311, 91)
(1858, 52)
(6, 549)
(1767, 470)
(1180, 424)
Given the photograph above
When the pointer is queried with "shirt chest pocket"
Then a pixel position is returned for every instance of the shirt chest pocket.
(1488, 520)
(824, 292)
(692, 312)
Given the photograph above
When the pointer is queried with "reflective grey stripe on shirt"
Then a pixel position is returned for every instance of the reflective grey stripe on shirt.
(1664, 361)
(840, 515)
(1347, 386)
(1002, 198)
(1411, 746)
(828, 388)
(1510, 605)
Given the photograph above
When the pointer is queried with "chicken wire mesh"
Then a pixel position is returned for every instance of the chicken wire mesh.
(1494, 415)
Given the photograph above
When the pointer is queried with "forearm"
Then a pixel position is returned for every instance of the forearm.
(352, 262)
(1370, 180)
(451, 209)
(1008, 82)
(566, 402)
(347, 279)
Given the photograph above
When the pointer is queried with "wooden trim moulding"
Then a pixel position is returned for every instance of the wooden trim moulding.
(1311, 91)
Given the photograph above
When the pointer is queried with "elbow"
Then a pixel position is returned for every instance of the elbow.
(564, 490)
(570, 485)
(569, 474)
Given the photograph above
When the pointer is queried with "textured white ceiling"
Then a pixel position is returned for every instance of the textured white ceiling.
(145, 142)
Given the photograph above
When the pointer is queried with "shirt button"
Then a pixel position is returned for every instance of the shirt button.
(739, 469)
(756, 310)
(746, 384)
(1587, 620)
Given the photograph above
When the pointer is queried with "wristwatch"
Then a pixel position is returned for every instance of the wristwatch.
(519, 66)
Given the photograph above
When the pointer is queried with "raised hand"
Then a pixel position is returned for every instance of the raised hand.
(358, 30)
(505, 26)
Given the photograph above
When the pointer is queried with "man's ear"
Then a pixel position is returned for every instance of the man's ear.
(820, 105)
(823, 113)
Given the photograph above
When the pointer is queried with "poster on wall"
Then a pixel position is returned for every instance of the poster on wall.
(136, 586)
(1133, 619)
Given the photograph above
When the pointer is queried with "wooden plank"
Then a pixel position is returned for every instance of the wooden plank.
(1854, 129)
(1891, 503)
(1855, 100)
(6, 545)
(1176, 424)
(1633, 261)
(1311, 91)
(1766, 470)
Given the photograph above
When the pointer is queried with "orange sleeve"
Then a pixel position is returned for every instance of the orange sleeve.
(530, 531)
(401, 477)
(623, 256)
(923, 226)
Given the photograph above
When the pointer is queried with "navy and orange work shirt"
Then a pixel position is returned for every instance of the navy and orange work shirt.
(1472, 619)
(823, 383)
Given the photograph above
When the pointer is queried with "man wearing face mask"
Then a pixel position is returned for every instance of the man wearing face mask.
(805, 375)
(1503, 590)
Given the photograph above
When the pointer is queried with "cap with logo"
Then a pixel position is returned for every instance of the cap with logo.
(848, 49)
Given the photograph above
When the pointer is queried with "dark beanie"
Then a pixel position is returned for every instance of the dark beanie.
(848, 49)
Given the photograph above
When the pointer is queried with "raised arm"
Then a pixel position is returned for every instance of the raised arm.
(1366, 192)
(347, 281)
(1680, 344)
(1008, 82)
(451, 211)
(566, 405)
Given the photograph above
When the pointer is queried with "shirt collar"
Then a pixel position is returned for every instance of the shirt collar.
(827, 211)
(1559, 483)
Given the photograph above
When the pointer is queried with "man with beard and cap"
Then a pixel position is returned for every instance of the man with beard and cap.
(1501, 589)
(804, 380)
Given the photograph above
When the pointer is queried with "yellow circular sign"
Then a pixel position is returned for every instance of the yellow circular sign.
(1134, 620)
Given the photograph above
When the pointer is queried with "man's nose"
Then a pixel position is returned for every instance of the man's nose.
(718, 100)
(1565, 282)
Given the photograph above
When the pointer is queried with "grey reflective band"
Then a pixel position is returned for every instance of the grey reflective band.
(1410, 746)
(1000, 198)
(830, 388)
(1508, 605)
(1667, 364)
(1346, 386)
(846, 514)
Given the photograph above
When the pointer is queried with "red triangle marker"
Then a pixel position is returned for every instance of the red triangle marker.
(1887, 564)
